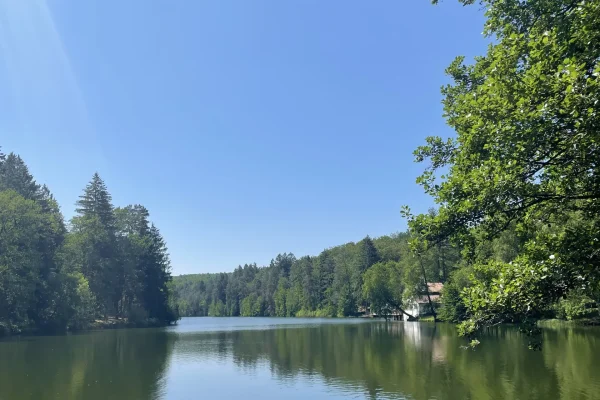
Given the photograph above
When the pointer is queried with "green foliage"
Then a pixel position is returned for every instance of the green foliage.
(319, 313)
(280, 298)
(14, 175)
(252, 306)
(293, 301)
(217, 309)
(577, 306)
(392, 247)
(519, 187)
(84, 304)
(329, 285)
(24, 235)
(383, 287)
(453, 308)
(110, 262)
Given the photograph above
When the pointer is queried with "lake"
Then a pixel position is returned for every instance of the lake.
(277, 358)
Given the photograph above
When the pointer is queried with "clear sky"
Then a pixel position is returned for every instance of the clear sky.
(247, 127)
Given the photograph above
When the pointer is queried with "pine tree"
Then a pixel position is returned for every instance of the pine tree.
(368, 254)
(15, 175)
(132, 219)
(96, 201)
(367, 257)
(324, 273)
(100, 264)
(111, 262)
(157, 275)
(132, 228)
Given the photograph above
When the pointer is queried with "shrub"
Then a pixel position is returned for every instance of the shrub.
(576, 306)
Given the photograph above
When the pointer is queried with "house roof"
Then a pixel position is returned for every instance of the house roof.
(435, 287)
(424, 300)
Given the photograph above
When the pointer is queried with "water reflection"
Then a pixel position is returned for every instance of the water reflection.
(419, 361)
(96, 366)
(574, 357)
(205, 358)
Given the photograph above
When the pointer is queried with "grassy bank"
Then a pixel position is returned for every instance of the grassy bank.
(119, 323)
(561, 323)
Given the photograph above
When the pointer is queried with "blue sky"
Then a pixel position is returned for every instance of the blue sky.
(247, 128)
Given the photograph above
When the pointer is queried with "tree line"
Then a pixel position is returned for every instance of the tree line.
(515, 234)
(105, 262)
(376, 274)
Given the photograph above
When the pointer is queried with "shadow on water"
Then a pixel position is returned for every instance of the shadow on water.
(128, 364)
(366, 360)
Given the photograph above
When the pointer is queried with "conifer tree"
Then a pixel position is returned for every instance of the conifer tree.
(95, 224)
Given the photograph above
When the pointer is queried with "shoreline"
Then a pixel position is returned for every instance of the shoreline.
(97, 325)
(543, 323)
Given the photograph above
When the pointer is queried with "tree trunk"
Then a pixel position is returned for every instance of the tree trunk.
(444, 272)
(427, 289)
(401, 310)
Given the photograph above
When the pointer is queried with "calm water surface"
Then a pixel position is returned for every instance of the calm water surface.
(271, 358)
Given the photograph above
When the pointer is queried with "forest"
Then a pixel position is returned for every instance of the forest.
(382, 274)
(515, 231)
(378, 273)
(514, 234)
(106, 263)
